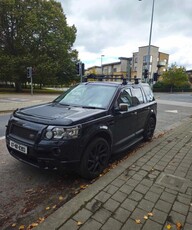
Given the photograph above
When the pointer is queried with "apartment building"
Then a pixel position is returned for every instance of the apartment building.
(120, 68)
(157, 65)
(135, 66)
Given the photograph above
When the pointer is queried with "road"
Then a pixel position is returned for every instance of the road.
(27, 194)
(3, 122)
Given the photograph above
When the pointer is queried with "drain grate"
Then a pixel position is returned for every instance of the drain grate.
(173, 182)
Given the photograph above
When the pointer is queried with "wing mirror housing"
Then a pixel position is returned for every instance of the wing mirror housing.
(123, 107)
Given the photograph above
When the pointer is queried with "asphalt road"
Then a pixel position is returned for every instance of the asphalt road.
(27, 193)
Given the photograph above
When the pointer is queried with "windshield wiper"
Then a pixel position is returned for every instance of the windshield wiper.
(92, 107)
(63, 104)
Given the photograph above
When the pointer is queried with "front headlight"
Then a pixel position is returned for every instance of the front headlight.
(62, 132)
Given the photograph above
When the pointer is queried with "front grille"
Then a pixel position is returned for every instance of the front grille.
(23, 132)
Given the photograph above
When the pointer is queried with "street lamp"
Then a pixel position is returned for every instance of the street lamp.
(150, 34)
(101, 63)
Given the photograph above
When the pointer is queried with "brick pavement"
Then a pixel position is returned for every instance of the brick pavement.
(153, 186)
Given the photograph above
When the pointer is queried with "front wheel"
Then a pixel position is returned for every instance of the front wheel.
(149, 129)
(95, 158)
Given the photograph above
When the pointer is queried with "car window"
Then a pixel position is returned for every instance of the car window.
(125, 97)
(148, 93)
(137, 96)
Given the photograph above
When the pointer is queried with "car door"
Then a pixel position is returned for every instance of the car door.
(141, 107)
(124, 122)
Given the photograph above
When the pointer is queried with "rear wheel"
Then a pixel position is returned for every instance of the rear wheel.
(95, 158)
(149, 129)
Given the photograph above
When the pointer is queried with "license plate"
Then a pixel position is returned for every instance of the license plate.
(18, 147)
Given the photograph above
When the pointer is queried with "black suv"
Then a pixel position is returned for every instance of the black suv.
(83, 127)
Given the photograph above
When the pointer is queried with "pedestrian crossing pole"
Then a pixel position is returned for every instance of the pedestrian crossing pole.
(30, 75)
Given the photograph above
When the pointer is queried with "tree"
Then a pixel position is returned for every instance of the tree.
(175, 77)
(35, 33)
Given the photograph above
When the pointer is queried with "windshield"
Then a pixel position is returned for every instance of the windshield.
(88, 95)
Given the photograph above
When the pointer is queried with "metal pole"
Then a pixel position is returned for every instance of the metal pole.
(150, 34)
(102, 63)
(80, 71)
(31, 85)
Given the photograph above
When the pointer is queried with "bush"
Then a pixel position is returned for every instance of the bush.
(162, 87)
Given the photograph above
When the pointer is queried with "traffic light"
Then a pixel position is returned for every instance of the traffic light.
(155, 76)
(29, 72)
(146, 73)
(80, 68)
(83, 69)
(77, 68)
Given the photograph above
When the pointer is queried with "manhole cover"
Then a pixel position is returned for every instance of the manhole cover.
(173, 182)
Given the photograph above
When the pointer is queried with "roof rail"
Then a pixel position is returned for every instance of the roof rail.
(94, 77)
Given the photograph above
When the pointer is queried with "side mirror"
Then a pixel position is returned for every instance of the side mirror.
(123, 107)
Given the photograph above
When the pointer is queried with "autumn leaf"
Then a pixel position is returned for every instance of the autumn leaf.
(41, 219)
(83, 186)
(145, 217)
(22, 227)
(54, 206)
(13, 225)
(33, 225)
(47, 208)
(79, 223)
(179, 226)
(138, 221)
(61, 198)
(150, 214)
(168, 226)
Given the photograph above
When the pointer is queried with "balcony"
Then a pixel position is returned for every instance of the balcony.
(161, 64)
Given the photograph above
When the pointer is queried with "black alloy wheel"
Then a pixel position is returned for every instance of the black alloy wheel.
(149, 129)
(95, 158)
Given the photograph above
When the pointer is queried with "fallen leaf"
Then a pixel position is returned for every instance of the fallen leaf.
(13, 225)
(29, 190)
(178, 225)
(22, 227)
(41, 219)
(83, 186)
(145, 217)
(138, 221)
(33, 225)
(61, 198)
(47, 208)
(54, 206)
(168, 226)
(79, 223)
(150, 214)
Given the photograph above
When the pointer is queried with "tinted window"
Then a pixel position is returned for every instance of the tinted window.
(137, 96)
(125, 97)
(148, 93)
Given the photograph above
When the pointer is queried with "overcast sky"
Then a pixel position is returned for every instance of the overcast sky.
(116, 28)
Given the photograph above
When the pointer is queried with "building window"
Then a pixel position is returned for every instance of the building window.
(145, 59)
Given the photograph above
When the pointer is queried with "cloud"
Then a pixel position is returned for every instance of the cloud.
(118, 28)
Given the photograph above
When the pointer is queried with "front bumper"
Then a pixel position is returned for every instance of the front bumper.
(49, 154)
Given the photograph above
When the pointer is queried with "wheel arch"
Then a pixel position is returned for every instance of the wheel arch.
(103, 133)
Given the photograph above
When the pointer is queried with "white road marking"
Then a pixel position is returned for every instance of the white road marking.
(171, 111)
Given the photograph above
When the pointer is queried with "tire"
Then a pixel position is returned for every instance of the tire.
(149, 129)
(95, 158)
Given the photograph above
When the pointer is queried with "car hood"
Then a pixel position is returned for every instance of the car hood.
(52, 113)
